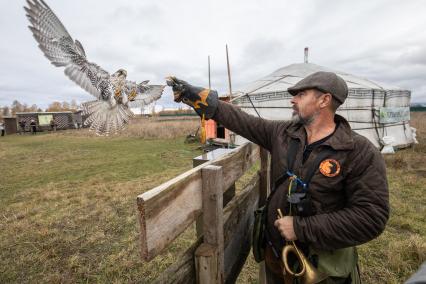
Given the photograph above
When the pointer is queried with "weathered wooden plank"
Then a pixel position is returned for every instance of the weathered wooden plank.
(238, 229)
(206, 268)
(235, 216)
(212, 222)
(167, 210)
(264, 189)
(228, 193)
(265, 175)
(262, 273)
(183, 270)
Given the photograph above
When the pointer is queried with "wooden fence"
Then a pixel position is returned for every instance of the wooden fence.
(197, 195)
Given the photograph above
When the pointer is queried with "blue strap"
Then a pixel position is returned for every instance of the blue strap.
(298, 180)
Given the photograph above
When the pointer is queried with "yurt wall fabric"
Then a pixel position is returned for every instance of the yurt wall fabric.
(363, 108)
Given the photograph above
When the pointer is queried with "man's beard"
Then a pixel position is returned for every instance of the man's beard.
(307, 120)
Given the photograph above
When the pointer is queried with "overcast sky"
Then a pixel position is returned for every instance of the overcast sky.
(382, 40)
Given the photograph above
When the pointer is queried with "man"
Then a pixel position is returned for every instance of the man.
(53, 125)
(342, 199)
(33, 126)
(2, 128)
(22, 126)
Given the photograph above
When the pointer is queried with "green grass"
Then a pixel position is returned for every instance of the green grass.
(68, 206)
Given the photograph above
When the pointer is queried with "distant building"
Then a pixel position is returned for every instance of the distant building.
(10, 126)
(63, 119)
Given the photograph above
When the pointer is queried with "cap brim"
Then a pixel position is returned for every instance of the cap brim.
(293, 91)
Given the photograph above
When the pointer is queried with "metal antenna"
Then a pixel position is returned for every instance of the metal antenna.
(208, 62)
(229, 74)
(306, 54)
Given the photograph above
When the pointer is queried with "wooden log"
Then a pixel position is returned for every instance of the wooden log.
(167, 210)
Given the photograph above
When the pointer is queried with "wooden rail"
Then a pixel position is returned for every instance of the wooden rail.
(167, 210)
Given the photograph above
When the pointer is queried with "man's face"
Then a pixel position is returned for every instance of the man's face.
(306, 106)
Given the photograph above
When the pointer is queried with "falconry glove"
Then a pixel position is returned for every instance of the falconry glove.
(203, 101)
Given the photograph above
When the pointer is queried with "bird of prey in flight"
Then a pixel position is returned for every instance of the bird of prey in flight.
(114, 95)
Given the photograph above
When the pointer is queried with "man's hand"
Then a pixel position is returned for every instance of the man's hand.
(203, 101)
(285, 227)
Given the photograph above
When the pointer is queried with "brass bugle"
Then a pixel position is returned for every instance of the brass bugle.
(308, 273)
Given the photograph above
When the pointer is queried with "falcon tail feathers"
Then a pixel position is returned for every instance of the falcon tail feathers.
(105, 120)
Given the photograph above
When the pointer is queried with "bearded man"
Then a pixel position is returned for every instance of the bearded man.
(329, 181)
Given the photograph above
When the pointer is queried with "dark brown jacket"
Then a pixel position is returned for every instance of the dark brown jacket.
(351, 208)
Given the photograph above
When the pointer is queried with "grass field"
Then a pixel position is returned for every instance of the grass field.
(68, 206)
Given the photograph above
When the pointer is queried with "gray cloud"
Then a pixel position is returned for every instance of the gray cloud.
(380, 39)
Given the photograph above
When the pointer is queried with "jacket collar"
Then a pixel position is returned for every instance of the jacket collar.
(342, 138)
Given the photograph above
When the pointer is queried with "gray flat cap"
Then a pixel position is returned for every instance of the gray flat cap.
(326, 82)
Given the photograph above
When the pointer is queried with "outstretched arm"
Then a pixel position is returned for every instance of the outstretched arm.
(207, 104)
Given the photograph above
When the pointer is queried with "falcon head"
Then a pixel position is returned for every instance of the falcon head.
(121, 73)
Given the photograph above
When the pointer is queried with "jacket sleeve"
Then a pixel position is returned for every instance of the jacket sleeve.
(365, 213)
(258, 130)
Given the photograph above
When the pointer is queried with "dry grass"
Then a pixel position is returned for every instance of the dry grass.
(147, 128)
(161, 128)
(68, 206)
(68, 209)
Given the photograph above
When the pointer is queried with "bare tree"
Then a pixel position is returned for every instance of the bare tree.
(16, 107)
(6, 111)
(73, 105)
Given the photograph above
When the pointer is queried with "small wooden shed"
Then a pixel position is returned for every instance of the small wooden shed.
(63, 119)
(9, 125)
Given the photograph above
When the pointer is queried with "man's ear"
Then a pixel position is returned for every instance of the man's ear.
(326, 100)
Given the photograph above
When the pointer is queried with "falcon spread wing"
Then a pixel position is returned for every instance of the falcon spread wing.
(142, 94)
(110, 112)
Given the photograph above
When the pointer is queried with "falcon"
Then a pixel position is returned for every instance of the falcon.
(115, 95)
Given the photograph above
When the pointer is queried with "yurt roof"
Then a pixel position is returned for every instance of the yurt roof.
(289, 75)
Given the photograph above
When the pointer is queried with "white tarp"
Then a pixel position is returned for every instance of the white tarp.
(269, 98)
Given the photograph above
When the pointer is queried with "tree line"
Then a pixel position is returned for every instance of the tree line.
(23, 107)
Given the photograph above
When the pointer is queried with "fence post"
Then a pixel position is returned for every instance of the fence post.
(228, 194)
(209, 256)
(264, 187)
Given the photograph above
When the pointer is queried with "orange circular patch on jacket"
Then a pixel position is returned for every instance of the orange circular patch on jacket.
(329, 168)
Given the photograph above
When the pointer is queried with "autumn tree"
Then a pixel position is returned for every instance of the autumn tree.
(55, 106)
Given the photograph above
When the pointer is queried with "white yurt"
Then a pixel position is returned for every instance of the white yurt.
(374, 110)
